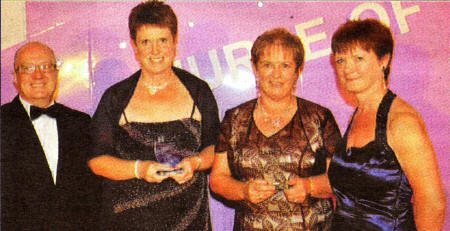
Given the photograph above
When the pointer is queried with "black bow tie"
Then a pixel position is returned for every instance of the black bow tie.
(51, 111)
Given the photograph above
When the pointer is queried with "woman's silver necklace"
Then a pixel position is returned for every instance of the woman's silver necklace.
(152, 89)
(275, 120)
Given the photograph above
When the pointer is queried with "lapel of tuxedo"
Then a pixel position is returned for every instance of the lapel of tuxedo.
(34, 161)
(64, 141)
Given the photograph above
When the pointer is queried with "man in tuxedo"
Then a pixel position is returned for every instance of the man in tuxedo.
(45, 180)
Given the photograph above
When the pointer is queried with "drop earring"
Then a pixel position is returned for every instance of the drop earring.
(294, 89)
(258, 94)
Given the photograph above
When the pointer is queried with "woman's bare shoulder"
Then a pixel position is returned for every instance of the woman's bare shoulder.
(401, 112)
(405, 125)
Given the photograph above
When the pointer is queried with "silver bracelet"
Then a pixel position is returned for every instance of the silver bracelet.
(136, 169)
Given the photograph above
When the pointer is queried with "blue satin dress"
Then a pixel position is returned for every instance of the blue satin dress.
(372, 191)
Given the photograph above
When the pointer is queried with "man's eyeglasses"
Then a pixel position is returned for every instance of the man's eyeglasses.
(44, 67)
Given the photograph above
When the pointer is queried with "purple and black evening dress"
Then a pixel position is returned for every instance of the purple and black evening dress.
(371, 189)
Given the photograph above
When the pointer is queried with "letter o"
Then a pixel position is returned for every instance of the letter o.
(375, 7)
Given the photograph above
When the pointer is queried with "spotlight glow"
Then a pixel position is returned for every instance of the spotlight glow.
(75, 70)
(244, 81)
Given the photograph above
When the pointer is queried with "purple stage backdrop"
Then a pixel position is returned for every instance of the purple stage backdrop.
(91, 38)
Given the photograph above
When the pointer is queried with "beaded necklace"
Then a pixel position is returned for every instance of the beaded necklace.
(152, 89)
(275, 120)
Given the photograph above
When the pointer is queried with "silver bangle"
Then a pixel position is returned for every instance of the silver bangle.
(136, 169)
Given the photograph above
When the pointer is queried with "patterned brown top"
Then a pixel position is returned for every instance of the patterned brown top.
(300, 148)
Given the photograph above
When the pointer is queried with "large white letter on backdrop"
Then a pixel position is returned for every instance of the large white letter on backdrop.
(400, 15)
(233, 63)
(218, 73)
(375, 7)
(307, 40)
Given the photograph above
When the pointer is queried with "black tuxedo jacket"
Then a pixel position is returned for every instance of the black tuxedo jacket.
(29, 198)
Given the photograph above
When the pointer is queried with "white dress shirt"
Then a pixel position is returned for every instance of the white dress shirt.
(47, 131)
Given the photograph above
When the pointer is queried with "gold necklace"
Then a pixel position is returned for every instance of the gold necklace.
(274, 120)
(152, 89)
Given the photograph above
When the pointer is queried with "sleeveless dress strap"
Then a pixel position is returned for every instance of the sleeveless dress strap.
(350, 123)
(344, 139)
(193, 110)
(382, 116)
(125, 117)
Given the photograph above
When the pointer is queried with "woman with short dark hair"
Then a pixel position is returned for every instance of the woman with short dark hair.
(386, 156)
(154, 134)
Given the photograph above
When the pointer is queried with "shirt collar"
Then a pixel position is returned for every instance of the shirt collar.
(27, 105)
